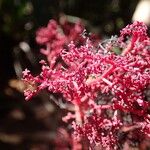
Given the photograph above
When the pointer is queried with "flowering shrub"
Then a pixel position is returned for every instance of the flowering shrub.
(107, 90)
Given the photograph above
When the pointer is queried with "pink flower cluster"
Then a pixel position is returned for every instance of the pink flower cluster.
(56, 36)
(106, 89)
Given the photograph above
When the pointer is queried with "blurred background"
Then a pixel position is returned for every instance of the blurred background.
(32, 125)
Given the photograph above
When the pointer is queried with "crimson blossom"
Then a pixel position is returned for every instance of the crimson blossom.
(108, 90)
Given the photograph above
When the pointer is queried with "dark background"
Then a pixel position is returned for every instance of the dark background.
(30, 125)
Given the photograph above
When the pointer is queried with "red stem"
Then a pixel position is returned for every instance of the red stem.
(130, 46)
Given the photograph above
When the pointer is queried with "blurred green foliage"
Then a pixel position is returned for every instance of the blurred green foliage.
(14, 14)
(109, 15)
